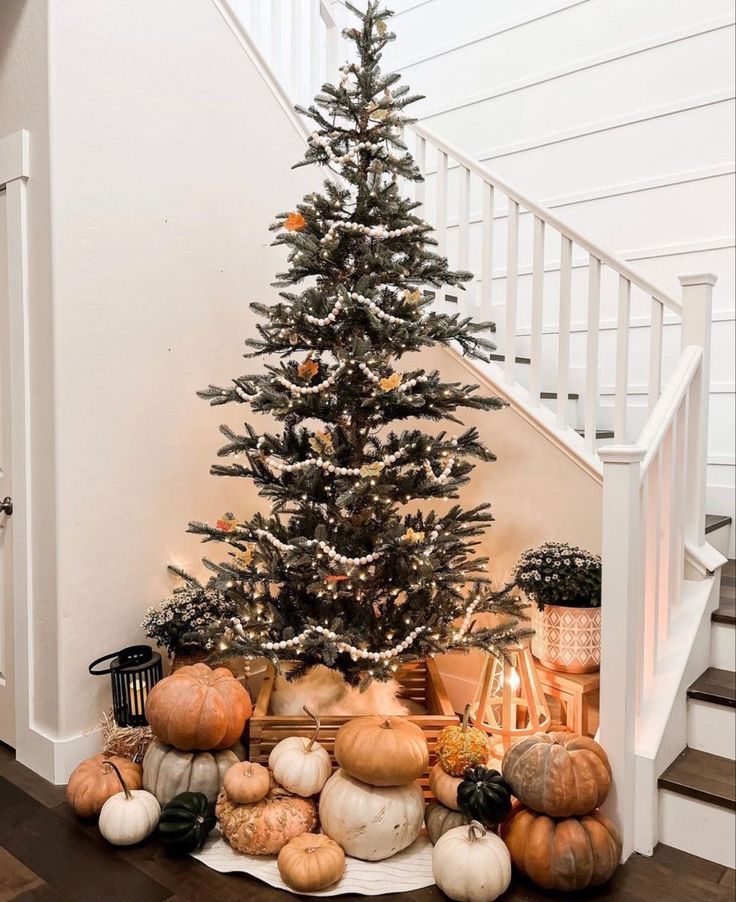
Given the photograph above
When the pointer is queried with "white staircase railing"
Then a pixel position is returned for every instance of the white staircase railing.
(653, 489)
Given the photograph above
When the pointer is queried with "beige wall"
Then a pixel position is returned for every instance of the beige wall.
(537, 494)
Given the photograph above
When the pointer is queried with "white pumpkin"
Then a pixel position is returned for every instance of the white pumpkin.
(370, 822)
(301, 765)
(168, 771)
(129, 816)
(471, 864)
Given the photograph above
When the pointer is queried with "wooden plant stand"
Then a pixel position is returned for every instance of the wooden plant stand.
(578, 694)
(421, 683)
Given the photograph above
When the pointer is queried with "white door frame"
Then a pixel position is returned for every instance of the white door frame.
(14, 173)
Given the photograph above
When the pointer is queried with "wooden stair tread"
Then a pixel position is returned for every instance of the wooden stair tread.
(502, 357)
(715, 686)
(716, 521)
(599, 433)
(552, 395)
(700, 775)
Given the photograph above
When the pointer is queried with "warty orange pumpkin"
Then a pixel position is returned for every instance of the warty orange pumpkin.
(265, 827)
(198, 708)
(559, 774)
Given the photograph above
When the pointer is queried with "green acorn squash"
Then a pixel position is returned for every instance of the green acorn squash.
(484, 796)
(186, 822)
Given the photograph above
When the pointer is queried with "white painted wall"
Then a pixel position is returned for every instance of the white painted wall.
(618, 114)
(168, 159)
(24, 105)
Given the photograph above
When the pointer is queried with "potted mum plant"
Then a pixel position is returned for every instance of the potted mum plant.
(182, 623)
(564, 584)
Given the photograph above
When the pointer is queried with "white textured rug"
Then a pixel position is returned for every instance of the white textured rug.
(410, 869)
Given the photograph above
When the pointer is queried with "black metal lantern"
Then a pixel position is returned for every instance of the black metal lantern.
(134, 672)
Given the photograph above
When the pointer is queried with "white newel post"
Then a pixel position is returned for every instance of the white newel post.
(622, 618)
(697, 314)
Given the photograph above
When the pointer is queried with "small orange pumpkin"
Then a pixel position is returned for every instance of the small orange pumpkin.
(382, 751)
(460, 747)
(247, 782)
(198, 708)
(444, 786)
(311, 862)
(93, 782)
(559, 774)
(265, 827)
(567, 855)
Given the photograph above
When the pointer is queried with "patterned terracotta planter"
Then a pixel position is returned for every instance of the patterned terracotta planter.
(567, 640)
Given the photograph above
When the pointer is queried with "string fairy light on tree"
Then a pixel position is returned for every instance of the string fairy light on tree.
(342, 571)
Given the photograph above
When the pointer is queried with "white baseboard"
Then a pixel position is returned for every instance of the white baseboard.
(55, 759)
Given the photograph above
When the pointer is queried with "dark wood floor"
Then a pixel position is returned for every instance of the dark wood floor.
(46, 855)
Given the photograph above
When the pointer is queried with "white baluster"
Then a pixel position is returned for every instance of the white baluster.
(697, 310)
(622, 617)
(316, 55)
(622, 359)
(463, 251)
(591, 358)
(665, 528)
(679, 426)
(277, 33)
(535, 376)
(512, 277)
(651, 557)
(486, 274)
(332, 43)
(441, 224)
(420, 189)
(563, 337)
(655, 352)
(297, 50)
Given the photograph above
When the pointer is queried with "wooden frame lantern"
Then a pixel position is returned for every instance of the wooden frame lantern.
(509, 702)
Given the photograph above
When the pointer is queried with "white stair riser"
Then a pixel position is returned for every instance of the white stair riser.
(699, 828)
(719, 539)
(723, 646)
(711, 728)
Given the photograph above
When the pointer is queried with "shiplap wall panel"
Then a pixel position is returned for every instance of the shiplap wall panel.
(618, 114)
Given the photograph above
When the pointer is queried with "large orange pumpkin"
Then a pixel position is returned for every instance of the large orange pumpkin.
(382, 751)
(566, 855)
(265, 827)
(93, 781)
(198, 708)
(559, 774)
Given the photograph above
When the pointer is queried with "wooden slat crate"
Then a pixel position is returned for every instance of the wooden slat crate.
(421, 683)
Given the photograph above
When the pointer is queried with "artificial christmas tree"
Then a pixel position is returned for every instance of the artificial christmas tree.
(345, 571)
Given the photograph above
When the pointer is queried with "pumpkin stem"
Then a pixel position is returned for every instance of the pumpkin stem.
(475, 830)
(120, 777)
(466, 717)
(315, 718)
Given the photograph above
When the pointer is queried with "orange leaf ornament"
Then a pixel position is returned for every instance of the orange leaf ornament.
(294, 222)
(227, 523)
(308, 369)
(392, 382)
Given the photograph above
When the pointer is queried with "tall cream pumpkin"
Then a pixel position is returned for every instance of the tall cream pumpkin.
(370, 822)
(168, 771)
